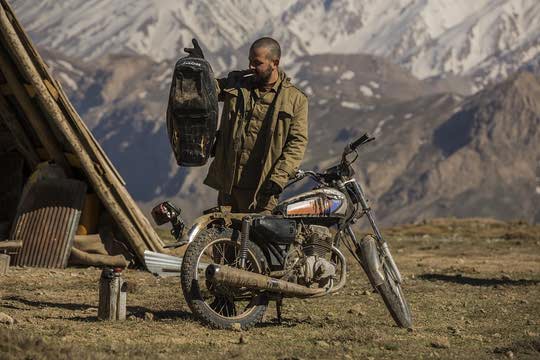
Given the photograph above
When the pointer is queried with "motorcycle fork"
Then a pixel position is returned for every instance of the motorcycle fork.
(382, 244)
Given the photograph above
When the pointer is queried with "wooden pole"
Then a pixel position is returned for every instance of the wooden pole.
(112, 295)
(78, 257)
(4, 264)
(38, 123)
(21, 140)
(10, 245)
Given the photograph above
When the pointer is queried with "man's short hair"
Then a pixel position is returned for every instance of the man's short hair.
(274, 50)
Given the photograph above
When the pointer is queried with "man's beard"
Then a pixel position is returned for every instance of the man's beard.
(262, 79)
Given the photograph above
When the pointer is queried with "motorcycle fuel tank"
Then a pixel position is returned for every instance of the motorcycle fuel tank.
(323, 202)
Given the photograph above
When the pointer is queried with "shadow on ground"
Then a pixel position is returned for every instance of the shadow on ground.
(466, 280)
(137, 311)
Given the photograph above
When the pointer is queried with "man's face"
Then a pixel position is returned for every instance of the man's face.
(261, 64)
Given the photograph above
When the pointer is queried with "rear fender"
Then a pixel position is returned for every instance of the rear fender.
(222, 217)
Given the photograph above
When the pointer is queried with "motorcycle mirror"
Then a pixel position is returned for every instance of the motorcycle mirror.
(164, 212)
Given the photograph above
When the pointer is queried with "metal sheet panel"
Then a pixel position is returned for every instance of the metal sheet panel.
(46, 222)
(165, 265)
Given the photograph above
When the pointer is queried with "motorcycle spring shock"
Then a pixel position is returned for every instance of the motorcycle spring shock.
(244, 238)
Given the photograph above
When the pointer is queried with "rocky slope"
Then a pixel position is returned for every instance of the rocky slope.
(481, 161)
(436, 154)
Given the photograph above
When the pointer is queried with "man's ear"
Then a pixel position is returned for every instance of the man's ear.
(276, 62)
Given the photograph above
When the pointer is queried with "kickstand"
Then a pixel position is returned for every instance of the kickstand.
(279, 304)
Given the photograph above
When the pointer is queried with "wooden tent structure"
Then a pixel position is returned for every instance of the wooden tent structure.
(41, 125)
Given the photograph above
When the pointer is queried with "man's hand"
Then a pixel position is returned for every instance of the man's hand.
(195, 51)
(271, 189)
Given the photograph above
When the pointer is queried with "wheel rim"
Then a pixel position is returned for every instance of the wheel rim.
(395, 287)
(226, 302)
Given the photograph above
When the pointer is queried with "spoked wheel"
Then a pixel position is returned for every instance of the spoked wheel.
(217, 305)
(394, 298)
(390, 289)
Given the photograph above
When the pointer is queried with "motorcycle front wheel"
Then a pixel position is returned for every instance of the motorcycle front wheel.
(390, 289)
(220, 306)
(394, 299)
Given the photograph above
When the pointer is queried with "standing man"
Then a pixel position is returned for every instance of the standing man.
(263, 131)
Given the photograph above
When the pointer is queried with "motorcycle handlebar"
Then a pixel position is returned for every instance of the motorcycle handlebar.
(356, 143)
(300, 174)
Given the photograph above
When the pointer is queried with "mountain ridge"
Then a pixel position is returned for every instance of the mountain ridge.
(435, 143)
(430, 39)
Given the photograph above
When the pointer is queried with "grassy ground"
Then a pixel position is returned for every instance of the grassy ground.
(473, 286)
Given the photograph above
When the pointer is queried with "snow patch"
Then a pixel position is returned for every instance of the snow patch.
(221, 63)
(65, 64)
(69, 67)
(427, 37)
(164, 75)
(379, 127)
(68, 81)
(173, 167)
(123, 146)
(408, 116)
(366, 91)
(351, 105)
(294, 69)
(347, 75)
(308, 91)
(234, 62)
(374, 84)
(322, 101)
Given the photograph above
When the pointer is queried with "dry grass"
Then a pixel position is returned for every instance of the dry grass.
(478, 228)
(473, 295)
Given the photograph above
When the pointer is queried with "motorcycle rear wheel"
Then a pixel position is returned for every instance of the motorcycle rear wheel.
(218, 306)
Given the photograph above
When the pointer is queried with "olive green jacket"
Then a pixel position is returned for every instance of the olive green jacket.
(286, 137)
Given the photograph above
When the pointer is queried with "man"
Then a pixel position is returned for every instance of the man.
(263, 131)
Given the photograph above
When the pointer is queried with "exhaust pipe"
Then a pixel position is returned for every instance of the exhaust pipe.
(234, 277)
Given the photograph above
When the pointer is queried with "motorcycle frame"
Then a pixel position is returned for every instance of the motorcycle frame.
(223, 216)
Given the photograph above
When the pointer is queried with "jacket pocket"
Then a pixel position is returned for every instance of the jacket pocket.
(283, 124)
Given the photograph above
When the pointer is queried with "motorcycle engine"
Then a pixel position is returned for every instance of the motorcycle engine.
(316, 247)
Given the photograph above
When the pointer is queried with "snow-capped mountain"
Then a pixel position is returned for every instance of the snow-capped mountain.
(398, 69)
(486, 39)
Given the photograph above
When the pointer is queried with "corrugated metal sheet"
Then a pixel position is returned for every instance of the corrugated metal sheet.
(46, 222)
(165, 265)
(162, 264)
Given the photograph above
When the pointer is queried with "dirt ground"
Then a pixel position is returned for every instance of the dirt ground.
(473, 286)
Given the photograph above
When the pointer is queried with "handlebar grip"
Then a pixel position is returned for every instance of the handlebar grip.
(359, 141)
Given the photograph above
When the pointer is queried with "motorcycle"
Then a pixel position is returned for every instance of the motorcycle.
(236, 263)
